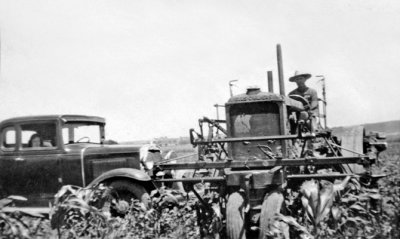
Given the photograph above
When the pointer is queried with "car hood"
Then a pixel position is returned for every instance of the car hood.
(101, 148)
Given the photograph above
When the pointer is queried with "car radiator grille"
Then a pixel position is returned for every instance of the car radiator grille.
(100, 166)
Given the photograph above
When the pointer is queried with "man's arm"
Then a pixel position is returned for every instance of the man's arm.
(293, 92)
(314, 100)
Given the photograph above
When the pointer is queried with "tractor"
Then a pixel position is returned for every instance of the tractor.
(263, 152)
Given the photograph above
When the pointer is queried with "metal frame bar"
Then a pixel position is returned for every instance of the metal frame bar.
(240, 139)
(192, 180)
(256, 164)
(306, 176)
(222, 179)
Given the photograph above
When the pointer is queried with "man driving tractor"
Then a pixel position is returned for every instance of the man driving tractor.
(308, 94)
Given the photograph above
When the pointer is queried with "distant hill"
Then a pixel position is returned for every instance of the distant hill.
(390, 128)
(161, 141)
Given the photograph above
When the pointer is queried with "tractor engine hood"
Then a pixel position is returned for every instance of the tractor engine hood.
(255, 95)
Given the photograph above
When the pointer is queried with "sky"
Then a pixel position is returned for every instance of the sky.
(152, 68)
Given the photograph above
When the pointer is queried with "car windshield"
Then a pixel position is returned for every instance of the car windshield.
(81, 132)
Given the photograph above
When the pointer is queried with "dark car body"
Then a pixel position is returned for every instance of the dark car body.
(72, 151)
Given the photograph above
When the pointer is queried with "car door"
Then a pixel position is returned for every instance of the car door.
(37, 169)
(8, 160)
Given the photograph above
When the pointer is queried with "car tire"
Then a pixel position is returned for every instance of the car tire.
(120, 194)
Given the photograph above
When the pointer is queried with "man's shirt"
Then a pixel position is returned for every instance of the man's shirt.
(311, 96)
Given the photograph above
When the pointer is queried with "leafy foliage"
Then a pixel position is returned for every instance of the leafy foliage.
(75, 215)
(170, 217)
(390, 191)
(12, 223)
(356, 210)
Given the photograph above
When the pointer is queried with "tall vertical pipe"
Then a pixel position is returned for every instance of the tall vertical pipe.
(325, 103)
(280, 70)
(323, 100)
(283, 122)
(0, 54)
(270, 82)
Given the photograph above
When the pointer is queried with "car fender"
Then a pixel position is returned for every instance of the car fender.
(128, 173)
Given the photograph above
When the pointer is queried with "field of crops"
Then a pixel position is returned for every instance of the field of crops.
(75, 217)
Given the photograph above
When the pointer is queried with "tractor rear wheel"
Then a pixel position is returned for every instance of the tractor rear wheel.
(235, 216)
(120, 194)
(271, 206)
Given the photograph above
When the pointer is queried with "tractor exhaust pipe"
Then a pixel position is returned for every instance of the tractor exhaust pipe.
(280, 70)
(270, 82)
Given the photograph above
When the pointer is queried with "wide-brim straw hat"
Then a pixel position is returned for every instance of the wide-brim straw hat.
(299, 74)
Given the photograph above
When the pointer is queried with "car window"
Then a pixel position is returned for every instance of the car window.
(81, 133)
(8, 139)
(38, 136)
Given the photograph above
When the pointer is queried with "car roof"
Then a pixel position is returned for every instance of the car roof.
(65, 118)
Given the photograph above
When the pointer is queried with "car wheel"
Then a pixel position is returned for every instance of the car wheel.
(120, 194)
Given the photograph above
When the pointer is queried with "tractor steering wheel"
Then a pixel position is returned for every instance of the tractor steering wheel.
(302, 100)
(84, 137)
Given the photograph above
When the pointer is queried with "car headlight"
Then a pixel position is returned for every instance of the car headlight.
(149, 154)
(149, 163)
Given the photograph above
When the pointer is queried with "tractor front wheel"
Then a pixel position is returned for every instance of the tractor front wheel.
(269, 226)
(235, 216)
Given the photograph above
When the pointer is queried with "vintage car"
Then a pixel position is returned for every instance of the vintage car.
(39, 154)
